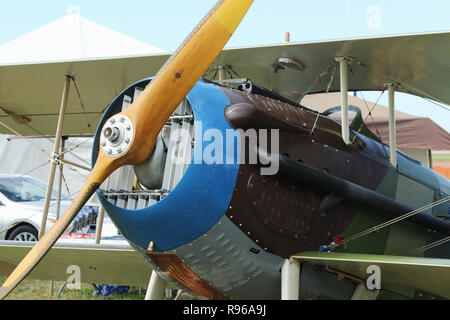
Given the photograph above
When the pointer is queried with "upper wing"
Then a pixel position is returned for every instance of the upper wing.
(104, 263)
(418, 62)
(431, 275)
(34, 90)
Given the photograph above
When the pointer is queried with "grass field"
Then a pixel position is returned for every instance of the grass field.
(441, 156)
(40, 290)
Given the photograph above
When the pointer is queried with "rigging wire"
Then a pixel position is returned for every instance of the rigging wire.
(69, 148)
(410, 89)
(369, 114)
(35, 145)
(373, 120)
(434, 102)
(65, 182)
(434, 244)
(25, 138)
(329, 85)
(328, 69)
(26, 173)
(392, 221)
(81, 103)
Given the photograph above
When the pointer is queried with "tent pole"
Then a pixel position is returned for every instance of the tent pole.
(430, 159)
(392, 125)
(343, 62)
(56, 147)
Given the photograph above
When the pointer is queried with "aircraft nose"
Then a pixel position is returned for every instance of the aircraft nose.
(171, 199)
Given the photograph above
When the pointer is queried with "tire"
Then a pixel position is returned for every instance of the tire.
(24, 233)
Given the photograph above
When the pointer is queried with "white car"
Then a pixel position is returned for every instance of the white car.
(21, 206)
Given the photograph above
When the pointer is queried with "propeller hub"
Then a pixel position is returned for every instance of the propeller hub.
(112, 134)
(116, 136)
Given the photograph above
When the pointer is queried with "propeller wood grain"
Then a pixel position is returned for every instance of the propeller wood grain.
(148, 114)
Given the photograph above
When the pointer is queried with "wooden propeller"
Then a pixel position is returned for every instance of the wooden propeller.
(148, 114)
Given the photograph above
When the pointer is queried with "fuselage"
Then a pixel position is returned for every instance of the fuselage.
(220, 229)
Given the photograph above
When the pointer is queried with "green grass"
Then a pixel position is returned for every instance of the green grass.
(441, 156)
(40, 290)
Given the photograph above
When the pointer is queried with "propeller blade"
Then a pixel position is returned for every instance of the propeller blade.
(148, 114)
(98, 174)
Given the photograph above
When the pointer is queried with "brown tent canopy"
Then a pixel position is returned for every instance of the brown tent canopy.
(412, 132)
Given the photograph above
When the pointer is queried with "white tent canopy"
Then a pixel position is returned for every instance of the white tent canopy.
(71, 37)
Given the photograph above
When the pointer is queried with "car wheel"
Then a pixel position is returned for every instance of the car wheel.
(24, 233)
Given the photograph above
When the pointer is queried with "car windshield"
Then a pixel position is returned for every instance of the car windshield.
(25, 189)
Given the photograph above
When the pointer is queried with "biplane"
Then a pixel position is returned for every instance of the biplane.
(214, 223)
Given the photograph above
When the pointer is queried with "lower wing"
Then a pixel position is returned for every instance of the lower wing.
(427, 274)
(114, 262)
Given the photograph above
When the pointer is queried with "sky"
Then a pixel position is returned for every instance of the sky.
(165, 24)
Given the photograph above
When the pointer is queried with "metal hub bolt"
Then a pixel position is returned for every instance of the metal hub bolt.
(116, 136)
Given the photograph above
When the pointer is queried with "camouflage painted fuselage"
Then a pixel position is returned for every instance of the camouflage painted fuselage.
(225, 230)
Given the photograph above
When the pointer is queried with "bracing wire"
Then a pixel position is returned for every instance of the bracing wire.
(433, 245)
(393, 221)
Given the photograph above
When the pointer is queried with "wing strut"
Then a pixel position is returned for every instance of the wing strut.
(343, 62)
(392, 127)
(51, 177)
